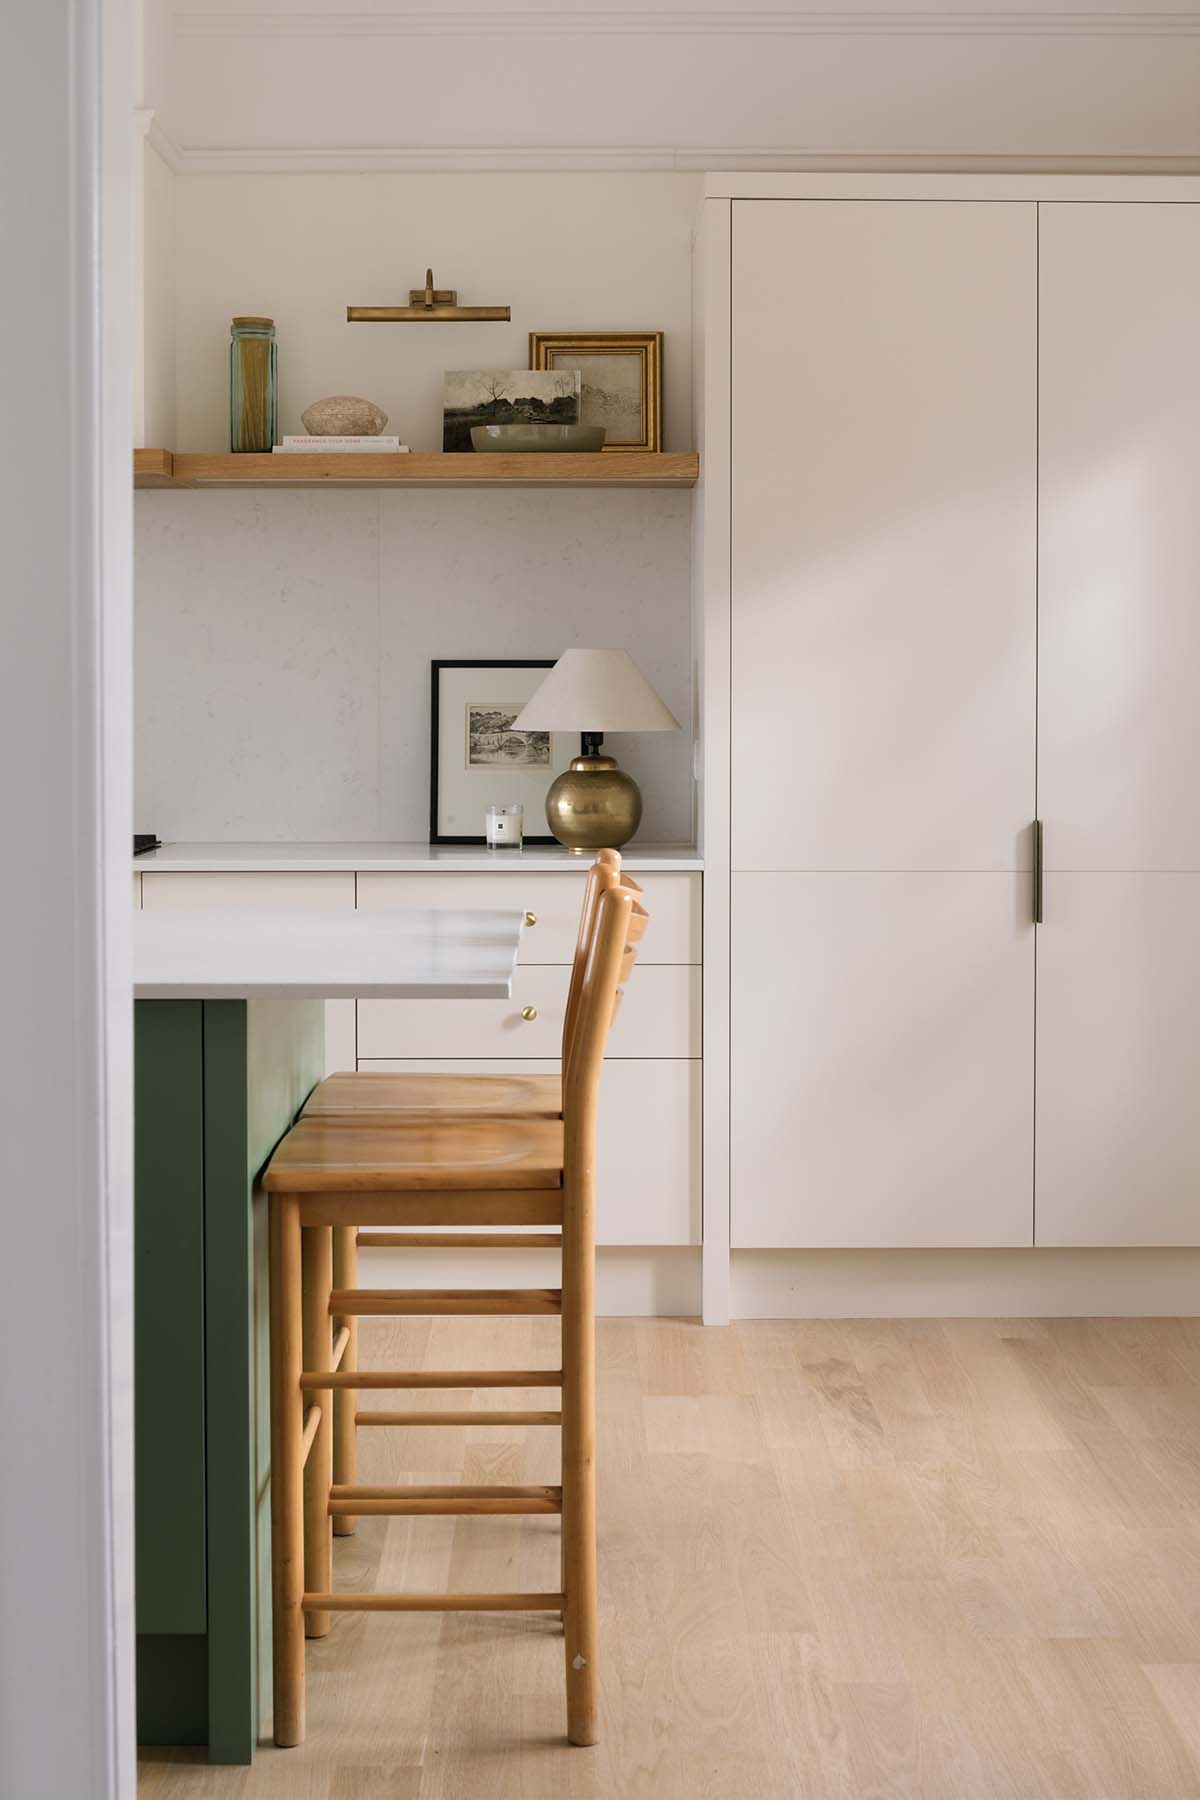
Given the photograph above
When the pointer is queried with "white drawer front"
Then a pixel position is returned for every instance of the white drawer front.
(648, 1144)
(660, 1017)
(673, 900)
(223, 891)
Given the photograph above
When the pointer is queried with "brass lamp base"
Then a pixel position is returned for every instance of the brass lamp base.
(594, 805)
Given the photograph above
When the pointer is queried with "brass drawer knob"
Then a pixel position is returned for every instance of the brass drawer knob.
(529, 1012)
(531, 918)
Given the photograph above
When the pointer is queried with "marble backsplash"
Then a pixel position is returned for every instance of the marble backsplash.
(283, 643)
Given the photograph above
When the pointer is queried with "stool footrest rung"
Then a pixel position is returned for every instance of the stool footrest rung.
(457, 1418)
(404, 1303)
(432, 1602)
(401, 1502)
(459, 1240)
(432, 1378)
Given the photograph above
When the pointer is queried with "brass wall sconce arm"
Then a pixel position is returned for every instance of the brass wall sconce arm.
(428, 302)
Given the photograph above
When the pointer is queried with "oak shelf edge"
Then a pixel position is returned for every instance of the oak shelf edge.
(153, 468)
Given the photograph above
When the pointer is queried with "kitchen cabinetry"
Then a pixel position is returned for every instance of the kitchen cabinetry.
(953, 587)
(649, 1135)
(217, 1083)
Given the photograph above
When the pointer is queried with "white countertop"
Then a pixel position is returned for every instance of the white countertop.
(400, 858)
(409, 954)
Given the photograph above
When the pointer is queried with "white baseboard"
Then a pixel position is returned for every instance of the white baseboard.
(947, 1284)
(642, 1282)
(664, 1282)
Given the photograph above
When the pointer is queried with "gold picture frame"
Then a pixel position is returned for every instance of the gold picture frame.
(636, 386)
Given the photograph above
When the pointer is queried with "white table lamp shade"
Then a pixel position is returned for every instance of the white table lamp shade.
(595, 691)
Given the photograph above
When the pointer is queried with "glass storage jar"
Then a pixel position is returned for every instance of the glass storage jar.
(252, 401)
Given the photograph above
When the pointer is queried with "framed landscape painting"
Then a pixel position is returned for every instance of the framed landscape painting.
(477, 760)
(620, 380)
(505, 397)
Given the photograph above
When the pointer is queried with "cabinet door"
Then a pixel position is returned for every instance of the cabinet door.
(1119, 598)
(1119, 726)
(882, 1090)
(169, 1385)
(884, 414)
(1118, 1060)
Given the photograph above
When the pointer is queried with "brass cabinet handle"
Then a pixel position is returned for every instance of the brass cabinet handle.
(529, 1012)
(531, 918)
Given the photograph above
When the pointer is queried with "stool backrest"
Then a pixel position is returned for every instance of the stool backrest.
(606, 966)
(604, 873)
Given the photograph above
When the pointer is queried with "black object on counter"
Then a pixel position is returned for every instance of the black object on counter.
(145, 840)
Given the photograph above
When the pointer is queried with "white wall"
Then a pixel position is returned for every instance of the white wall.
(155, 400)
(566, 252)
(66, 1514)
(284, 640)
(284, 643)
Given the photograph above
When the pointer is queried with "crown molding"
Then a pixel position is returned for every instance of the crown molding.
(309, 160)
(684, 22)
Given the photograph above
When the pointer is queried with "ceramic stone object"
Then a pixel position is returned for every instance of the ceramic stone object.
(343, 415)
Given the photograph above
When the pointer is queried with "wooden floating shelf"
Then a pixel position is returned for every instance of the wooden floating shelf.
(417, 469)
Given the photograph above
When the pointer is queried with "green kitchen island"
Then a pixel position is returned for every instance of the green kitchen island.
(229, 1041)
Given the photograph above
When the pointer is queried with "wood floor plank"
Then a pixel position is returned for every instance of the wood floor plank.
(840, 1560)
(1178, 1688)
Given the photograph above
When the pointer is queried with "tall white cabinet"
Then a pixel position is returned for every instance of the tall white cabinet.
(954, 588)
(883, 636)
(1118, 1150)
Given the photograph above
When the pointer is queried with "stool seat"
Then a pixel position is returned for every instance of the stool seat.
(369, 1093)
(323, 1156)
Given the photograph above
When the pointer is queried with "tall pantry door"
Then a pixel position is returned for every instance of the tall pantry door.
(1118, 997)
(883, 722)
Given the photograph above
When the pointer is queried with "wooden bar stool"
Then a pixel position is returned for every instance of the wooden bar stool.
(397, 1097)
(359, 1094)
(467, 1174)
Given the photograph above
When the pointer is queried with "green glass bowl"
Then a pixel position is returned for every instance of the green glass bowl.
(507, 438)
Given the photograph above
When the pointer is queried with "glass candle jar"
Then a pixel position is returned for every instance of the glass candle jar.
(504, 827)
(252, 401)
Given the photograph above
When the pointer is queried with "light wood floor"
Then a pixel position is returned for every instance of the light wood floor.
(924, 1560)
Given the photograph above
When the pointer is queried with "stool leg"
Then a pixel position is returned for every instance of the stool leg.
(345, 1400)
(318, 1470)
(579, 1469)
(287, 1471)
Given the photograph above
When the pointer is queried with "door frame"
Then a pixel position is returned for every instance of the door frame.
(66, 1566)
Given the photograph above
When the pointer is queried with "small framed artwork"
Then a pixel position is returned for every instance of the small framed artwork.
(506, 397)
(477, 760)
(621, 380)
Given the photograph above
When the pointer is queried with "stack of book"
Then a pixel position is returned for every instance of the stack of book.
(331, 446)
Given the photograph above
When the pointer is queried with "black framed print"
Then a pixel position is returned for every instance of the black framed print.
(477, 760)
